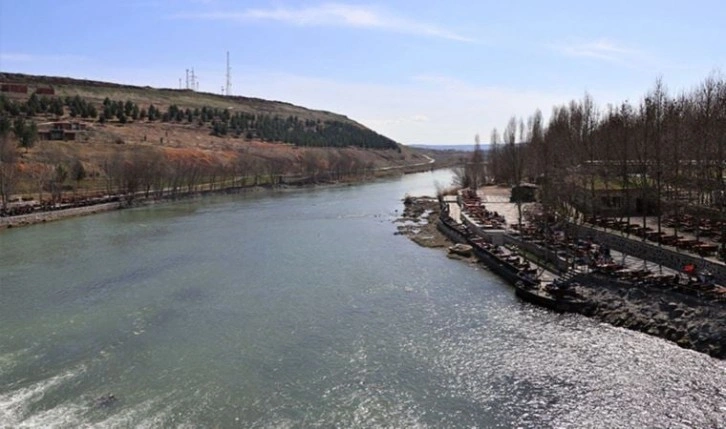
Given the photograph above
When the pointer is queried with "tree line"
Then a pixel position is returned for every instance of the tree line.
(667, 150)
(220, 122)
(56, 175)
(149, 173)
(154, 172)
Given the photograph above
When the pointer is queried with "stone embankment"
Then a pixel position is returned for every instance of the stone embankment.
(690, 321)
(48, 216)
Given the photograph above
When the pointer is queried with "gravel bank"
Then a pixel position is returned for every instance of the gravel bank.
(418, 222)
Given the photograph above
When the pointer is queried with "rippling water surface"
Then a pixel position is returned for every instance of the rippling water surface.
(305, 310)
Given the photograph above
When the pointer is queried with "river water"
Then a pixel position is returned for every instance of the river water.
(303, 309)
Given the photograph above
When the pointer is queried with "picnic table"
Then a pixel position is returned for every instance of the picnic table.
(655, 236)
(706, 232)
(705, 249)
(633, 228)
(686, 243)
(670, 240)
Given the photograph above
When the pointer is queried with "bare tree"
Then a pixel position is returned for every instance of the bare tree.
(8, 167)
(311, 163)
(476, 165)
(494, 156)
(655, 113)
(516, 164)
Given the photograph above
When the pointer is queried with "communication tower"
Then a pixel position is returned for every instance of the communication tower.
(192, 80)
(228, 87)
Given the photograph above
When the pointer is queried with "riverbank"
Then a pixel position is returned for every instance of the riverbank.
(689, 321)
(49, 216)
(44, 216)
(692, 322)
(66, 213)
(418, 222)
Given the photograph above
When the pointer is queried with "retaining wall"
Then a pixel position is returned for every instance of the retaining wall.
(40, 217)
(500, 238)
(540, 252)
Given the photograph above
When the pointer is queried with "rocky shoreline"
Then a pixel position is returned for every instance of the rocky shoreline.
(418, 222)
(689, 321)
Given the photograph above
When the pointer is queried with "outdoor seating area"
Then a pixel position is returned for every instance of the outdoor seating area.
(474, 207)
(702, 237)
(705, 227)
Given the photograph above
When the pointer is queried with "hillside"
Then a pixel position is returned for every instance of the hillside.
(97, 91)
(81, 137)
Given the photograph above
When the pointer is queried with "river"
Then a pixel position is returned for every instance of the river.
(304, 309)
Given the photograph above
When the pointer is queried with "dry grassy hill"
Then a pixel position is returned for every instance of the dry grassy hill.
(138, 153)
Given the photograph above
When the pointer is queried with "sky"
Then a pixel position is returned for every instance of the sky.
(419, 72)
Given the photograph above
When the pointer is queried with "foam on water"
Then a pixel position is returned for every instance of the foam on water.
(15, 404)
(10, 360)
(16, 411)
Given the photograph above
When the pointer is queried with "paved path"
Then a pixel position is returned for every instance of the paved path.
(454, 209)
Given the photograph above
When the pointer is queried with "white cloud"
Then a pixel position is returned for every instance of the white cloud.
(333, 14)
(434, 110)
(599, 49)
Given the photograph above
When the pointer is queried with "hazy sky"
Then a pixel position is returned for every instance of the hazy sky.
(419, 71)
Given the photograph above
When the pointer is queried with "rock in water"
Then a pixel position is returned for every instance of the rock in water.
(461, 249)
(106, 400)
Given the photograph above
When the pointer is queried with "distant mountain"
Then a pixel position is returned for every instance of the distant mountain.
(455, 147)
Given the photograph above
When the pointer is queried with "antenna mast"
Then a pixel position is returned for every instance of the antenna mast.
(228, 90)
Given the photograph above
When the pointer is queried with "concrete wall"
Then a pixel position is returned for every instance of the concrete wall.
(540, 252)
(658, 254)
(500, 238)
(496, 236)
(40, 217)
